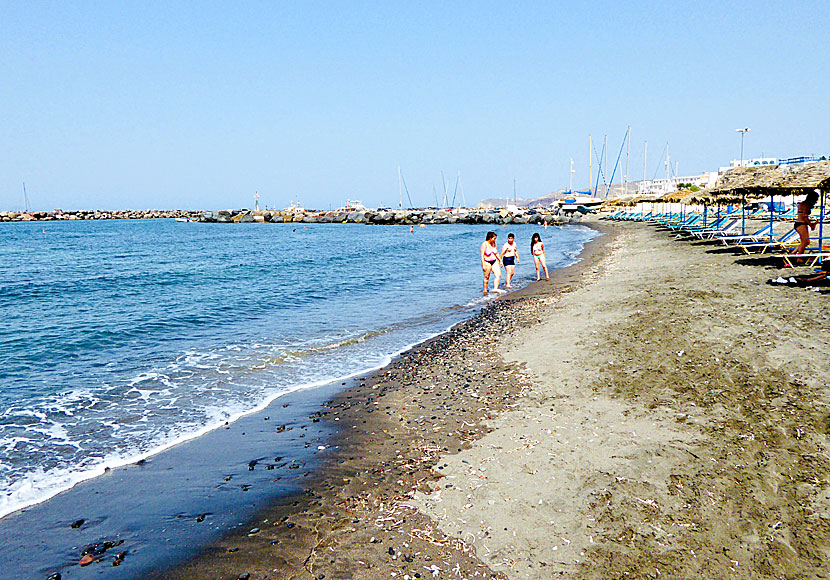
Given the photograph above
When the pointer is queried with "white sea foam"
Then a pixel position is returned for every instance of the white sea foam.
(218, 370)
(40, 485)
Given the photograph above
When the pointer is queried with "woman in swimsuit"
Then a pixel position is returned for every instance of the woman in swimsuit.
(509, 257)
(537, 250)
(803, 221)
(490, 261)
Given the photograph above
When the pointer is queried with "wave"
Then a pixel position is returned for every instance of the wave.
(40, 484)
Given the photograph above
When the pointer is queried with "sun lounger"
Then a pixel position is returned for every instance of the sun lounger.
(755, 236)
(682, 224)
(787, 215)
(712, 225)
(728, 228)
(809, 260)
(788, 239)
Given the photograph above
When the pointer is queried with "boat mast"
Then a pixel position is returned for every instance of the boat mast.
(400, 189)
(26, 207)
(605, 157)
(627, 156)
(645, 159)
(514, 191)
(590, 162)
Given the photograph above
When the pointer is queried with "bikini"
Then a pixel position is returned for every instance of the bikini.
(801, 215)
(490, 252)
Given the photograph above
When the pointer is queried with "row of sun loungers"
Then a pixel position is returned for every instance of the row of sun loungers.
(726, 229)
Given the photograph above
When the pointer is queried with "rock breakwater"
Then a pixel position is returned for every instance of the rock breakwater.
(98, 214)
(394, 216)
(371, 216)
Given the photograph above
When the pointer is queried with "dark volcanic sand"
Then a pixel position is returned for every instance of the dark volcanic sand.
(353, 519)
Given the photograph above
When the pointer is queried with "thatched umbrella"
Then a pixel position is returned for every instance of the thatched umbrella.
(702, 197)
(737, 184)
(620, 202)
(801, 180)
(679, 196)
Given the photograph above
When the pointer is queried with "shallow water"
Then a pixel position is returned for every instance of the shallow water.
(119, 339)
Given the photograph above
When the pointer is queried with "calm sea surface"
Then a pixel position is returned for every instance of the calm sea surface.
(121, 338)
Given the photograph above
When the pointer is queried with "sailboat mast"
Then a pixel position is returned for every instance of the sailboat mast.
(26, 207)
(605, 157)
(590, 162)
(645, 159)
(400, 189)
(627, 156)
(514, 191)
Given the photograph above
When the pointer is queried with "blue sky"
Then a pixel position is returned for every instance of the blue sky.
(198, 105)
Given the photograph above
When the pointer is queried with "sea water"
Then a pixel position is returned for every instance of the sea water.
(119, 339)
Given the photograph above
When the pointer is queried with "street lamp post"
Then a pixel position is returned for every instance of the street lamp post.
(743, 132)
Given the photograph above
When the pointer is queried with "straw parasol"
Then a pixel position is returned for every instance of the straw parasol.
(803, 179)
(745, 182)
(679, 196)
(702, 197)
(629, 201)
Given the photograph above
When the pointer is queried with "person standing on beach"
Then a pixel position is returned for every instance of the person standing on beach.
(490, 261)
(803, 224)
(509, 257)
(537, 250)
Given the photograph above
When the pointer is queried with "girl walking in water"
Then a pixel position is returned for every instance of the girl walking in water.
(490, 261)
(509, 257)
(537, 250)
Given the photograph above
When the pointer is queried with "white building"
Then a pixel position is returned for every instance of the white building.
(661, 186)
(757, 162)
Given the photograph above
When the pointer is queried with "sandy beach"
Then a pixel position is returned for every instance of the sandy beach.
(656, 410)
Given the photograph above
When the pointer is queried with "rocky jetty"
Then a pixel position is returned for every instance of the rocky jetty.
(394, 216)
(296, 215)
(97, 214)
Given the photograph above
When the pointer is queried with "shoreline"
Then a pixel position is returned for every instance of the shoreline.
(363, 519)
(79, 478)
(656, 411)
(676, 427)
(99, 502)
